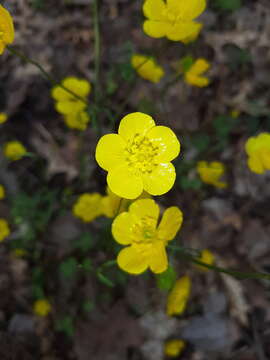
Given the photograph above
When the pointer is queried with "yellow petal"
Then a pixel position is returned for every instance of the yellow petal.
(156, 29)
(135, 123)
(69, 106)
(124, 183)
(193, 36)
(255, 164)
(199, 67)
(7, 26)
(265, 156)
(122, 228)
(132, 261)
(78, 86)
(110, 151)
(145, 208)
(251, 145)
(167, 142)
(161, 180)
(188, 9)
(154, 9)
(178, 297)
(170, 223)
(158, 260)
(195, 80)
(180, 31)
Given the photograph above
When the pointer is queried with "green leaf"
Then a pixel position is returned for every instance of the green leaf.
(66, 325)
(186, 63)
(230, 5)
(88, 306)
(104, 280)
(166, 280)
(201, 142)
(69, 267)
(87, 265)
(85, 242)
(186, 183)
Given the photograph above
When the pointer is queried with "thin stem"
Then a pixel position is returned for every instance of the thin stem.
(97, 50)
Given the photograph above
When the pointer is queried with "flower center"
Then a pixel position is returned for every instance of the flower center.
(171, 16)
(140, 154)
(144, 231)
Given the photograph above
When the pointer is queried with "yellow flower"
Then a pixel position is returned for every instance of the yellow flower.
(147, 240)
(258, 151)
(193, 36)
(42, 307)
(88, 207)
(173, 348)
(78, 121)
(139, 157)
(19, 253)
(193, 75)
(3, 116)
(4, 229)
(6, 29)
(173, 18)
(235, 113)
(210, 173)
(147, 68)
(66, 103)
(208, 258)
(2, 192)
(178, 297)
(14, 150)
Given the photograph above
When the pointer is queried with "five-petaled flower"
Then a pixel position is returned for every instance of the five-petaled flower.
(147, 239)
(6, 29)
(173, 19)
(147, 68)
(194, 74)
(258, 151)
(210, 173)
(139, 157)
(178, 297)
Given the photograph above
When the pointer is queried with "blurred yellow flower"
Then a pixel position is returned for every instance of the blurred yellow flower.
(193, 36)
(235, 113)
(210, 173)
(178, 297)
(4, 229)
(88, 207)
(42, 307)
(139, 157)
(193, 75)
(3, 116)
(78, 121)
(147, 239)
(147, 68)
(14, 150)
(66, 103)
(2, 192)
(174, 348)
(206, 257)
(6, 29)
(19, 252)
(173, 18)
(258, 151)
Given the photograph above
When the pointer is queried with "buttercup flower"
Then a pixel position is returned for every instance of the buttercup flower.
(194, 75)
(6, 29)
(88, 207)
(178, 297)
(2, 192)
(147, 239)
(66, 103)
(258, 151)
(173, 348)
(14, 150)
(42, 307)
(193, 36)
(4, 229)
(139, 157)
(206, 257)
(147, 68)
(173, 18)
(210, 173)
(3, 118)
(78, 121)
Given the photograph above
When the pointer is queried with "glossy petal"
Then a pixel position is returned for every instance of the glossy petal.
(158, 260)
(161, 180)
(122, 228)
(182, 30)
(170, 223)
(124, 183)
(132, 261)
(145, 208)
(188, 9)
(156, 29)
(154, 9)
(135, 123)
(110, 151)
(167, 142)
(255, 165)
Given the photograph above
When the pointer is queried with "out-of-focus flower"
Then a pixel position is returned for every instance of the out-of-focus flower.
(4, 229)
(178, 297)
(210, 173)
(19, 252)
(2, 192)
(139, 157)
(147, 240)
(258, 151)
(78, 121)
(3, 118)
(174, 347)
(173, 18)
(235, 113)
(194, 74)
(88, 207)
(193, 36)
(147, 68)
(6, 29)
(42, 307)
(66, 103)
(14, 150)
(207, 257)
